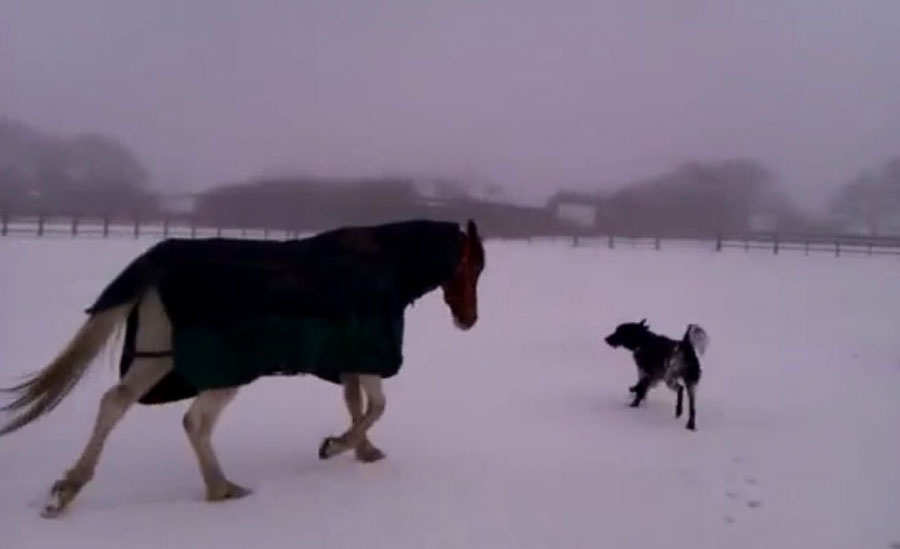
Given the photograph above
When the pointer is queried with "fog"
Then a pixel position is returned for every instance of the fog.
(531, 95)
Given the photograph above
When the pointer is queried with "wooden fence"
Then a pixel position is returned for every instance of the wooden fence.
(69, 227)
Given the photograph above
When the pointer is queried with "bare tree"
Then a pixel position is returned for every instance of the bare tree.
(870, 200)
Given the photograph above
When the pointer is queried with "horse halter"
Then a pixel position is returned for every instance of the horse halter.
(465, 262)
(463, 273)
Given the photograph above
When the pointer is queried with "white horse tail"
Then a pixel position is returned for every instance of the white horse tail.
(44, 390)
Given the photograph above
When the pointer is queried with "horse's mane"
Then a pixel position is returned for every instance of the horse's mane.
(424, 252)
(359, 268)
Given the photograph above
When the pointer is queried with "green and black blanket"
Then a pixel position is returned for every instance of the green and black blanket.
(242, 309)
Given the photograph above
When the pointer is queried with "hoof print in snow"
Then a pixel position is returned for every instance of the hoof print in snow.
(754, 504)
(728, 519)
(732, 494)
(895, 545)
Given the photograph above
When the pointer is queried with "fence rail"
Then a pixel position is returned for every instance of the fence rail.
(71, 227)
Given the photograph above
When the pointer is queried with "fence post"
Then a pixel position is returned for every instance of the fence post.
(193, 228)
(807, 247)
(74, 225)
(105, 225)
(656, 244)
(775, 245)
(137, 226)
(166, 227)
(5, 221)
(40, 229)
(610, 244)
(837, 248)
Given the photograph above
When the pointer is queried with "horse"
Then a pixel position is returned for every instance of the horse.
(204, 317)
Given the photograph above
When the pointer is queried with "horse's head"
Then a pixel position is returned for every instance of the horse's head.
(461, 290)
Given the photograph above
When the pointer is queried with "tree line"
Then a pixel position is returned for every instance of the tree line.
(97, 175)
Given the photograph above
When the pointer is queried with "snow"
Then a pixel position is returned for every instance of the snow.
(514, 435)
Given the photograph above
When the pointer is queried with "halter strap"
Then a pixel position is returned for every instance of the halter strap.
(463, 268)
(131, 355)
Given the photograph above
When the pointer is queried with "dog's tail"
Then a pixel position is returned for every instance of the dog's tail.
(44, 390)
(697, 337)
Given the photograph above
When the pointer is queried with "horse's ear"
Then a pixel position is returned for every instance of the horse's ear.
(644, 322)
(472, 229)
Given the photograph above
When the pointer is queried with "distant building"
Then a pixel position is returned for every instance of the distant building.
(577, 209)
(177, 204)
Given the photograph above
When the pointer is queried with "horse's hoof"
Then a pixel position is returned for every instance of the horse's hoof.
(369, 454)
(53, 509)
(61, 494)
(227, 491)
(328, 448)
(691, 427)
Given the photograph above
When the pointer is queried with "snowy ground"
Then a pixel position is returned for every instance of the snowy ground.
(515, 435)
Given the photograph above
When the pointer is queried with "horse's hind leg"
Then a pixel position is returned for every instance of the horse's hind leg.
(365, 450)
(199, 422)
(153, 334)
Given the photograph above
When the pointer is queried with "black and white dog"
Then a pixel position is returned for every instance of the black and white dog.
(660, 358)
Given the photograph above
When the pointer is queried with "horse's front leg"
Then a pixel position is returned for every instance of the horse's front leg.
(357, 436)
(353, 398)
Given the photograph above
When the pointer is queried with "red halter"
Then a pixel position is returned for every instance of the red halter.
(463, 271)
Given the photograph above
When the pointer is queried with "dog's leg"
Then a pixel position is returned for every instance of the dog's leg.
(678, 389)
(634, 388)
(678, 402)
(640, 391)
(691, 407)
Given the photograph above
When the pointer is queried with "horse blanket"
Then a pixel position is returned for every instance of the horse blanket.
(241, 309)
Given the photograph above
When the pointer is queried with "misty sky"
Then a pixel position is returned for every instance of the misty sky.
(534, 95)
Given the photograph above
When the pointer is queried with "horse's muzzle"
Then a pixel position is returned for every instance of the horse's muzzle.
(465, 323)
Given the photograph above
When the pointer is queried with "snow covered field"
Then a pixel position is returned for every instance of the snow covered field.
(515, 435)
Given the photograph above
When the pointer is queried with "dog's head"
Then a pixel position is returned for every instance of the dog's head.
(629, 335)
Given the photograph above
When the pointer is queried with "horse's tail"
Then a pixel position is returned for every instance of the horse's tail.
(44, 390)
